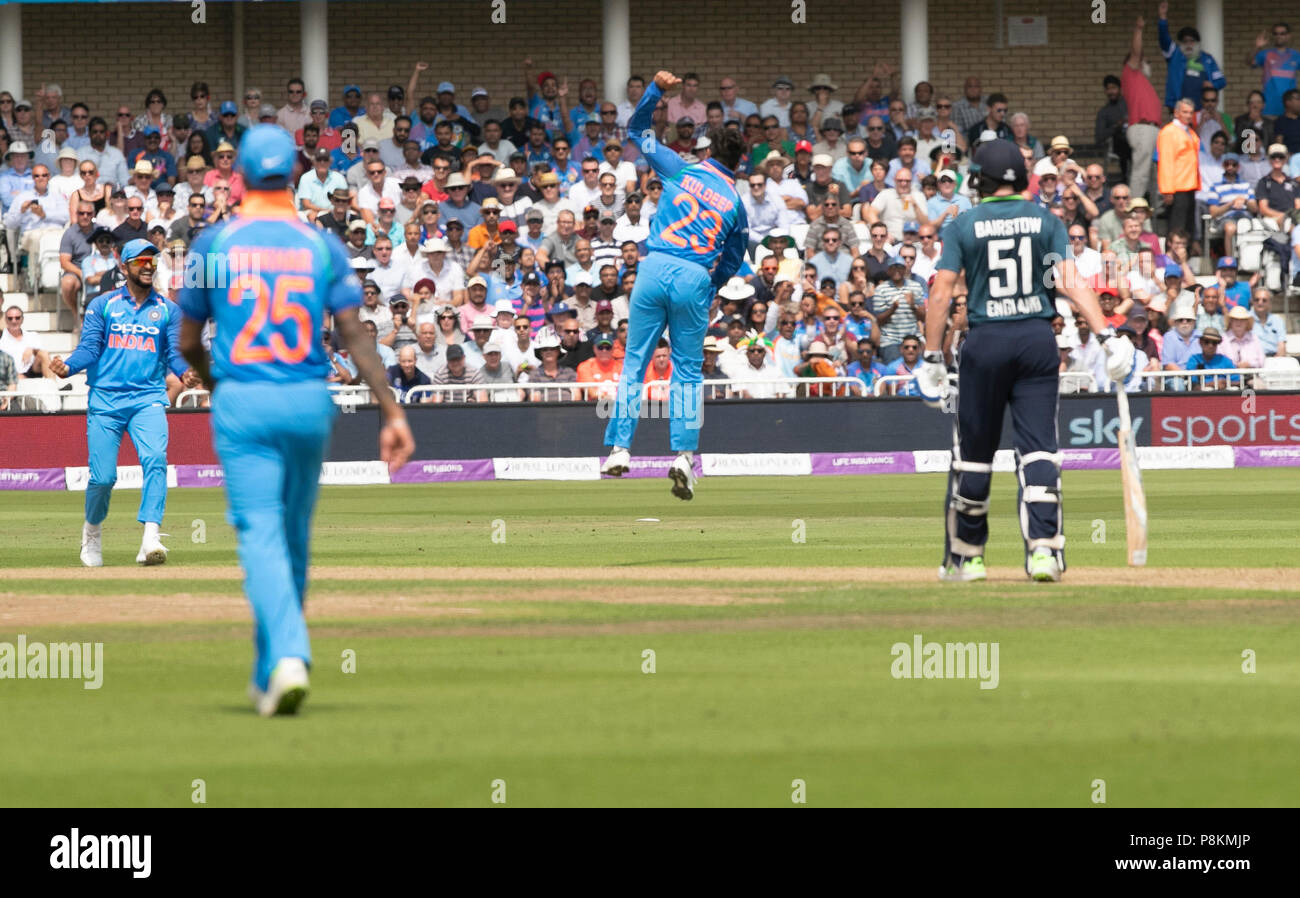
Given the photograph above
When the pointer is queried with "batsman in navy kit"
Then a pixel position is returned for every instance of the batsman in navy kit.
(1015, 257)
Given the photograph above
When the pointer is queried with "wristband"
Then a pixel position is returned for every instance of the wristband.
(1104, 335)
(934, 357)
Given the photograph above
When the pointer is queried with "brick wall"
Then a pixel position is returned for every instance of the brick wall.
(376, 43)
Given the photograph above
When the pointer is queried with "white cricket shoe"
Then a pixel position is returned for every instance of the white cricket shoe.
(1043, 567)
(286, 690)
(92, 552)
(682, 473)
(618, 463)
(152, 551)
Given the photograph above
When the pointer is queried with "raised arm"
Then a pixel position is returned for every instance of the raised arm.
(640, 128)
(1162, 30)
(411, 96)
(1134, 58)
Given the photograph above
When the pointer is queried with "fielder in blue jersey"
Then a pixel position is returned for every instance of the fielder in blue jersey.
(697, 242)
(272, 283)
(130, 340)
(1014, 257)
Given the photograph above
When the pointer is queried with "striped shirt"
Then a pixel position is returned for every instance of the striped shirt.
(903, 321)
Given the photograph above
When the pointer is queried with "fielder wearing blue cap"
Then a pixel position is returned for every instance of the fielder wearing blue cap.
(129, 341)
(1015, 256)
(277, 282)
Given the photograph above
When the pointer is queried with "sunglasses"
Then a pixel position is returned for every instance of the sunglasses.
(224, 156)
(927, 236)
(831, 317)
(141, 263)
(13, 317)
(522, 327)
(943, 106)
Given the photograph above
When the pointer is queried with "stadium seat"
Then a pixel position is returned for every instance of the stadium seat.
(1281, 373)
(798, 233)
(47, 270)
(41, 394)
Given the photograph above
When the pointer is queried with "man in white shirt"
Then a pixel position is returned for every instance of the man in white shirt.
(141, 178)
(897, 205)
(108, 159)
(35, 213)
(631, 225)
(388, 273)
(623, 170)
(377, 122)
(587, 191)
(764, 210)
(378, 186)
(928, 252)
(24, 346)
(448, 277)
(1087, 261)
(635, 89)
(778, 104)
(315, 186)
(495, 145)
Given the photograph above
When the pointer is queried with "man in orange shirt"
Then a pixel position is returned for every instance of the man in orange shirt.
(603, 369)
(660, 368)
(1178, 169)
(489, 228)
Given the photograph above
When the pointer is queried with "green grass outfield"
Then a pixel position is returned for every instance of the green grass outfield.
(499, 631)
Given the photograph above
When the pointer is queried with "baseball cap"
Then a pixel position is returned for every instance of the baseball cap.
(266, 157)
(581, 279)
(896, 260)
(1278, 149)
(22, 103)
(783, 81)
(1063, 342)
(136, 248)
(164, 188)
(492, 345)
(322, 155)
(825, 159)
(999, 160)
(1173, 270)
(181, 121)
(607, 216)
(351, 89)
(604, 305)
(603, 340)
(229, 108)
(910, 227)
(397, 299)
(100, 231)
(1227, 262)
(685, 121)
(532, 278)
(832, 124)
(387, 203)
(265, 112)
(455, 351)
(151, 131)
(396, 92)
(703, 143)
(560, 309)
(357, 225)
(446, 87)
(478, 92)
(371, 144)
(319, 104)
(946, 173)
(508, 225)
(476, 281)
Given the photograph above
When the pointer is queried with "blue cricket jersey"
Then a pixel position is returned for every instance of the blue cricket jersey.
(126, 350)
(700, 217)
(1009, 247)
(268, 281)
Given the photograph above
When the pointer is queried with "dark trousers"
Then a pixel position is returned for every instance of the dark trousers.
(1182, 212)
(1005, 365)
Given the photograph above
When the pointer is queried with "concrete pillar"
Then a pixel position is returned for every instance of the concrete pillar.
(11, 49)
(1209, 21)
(914, 26)
(315, 49)
(616, 49)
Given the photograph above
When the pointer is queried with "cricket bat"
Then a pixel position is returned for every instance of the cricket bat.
(1135, 500)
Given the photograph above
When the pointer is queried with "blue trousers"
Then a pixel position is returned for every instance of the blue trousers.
(271, 440)
(146, 422)
(675, 294)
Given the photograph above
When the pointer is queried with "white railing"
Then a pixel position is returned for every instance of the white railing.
(1219, 380)
(344, 395)
(655, 390)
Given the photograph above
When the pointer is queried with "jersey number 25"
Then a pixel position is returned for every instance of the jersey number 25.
(277, 308)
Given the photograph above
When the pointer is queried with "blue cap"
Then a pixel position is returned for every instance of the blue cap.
(1227, 262)
(149, 130)
(1173, 270)
(351, 88)
(999, 162)
(896, 260)
(229, 108)
(138, 247)
(446, 87)
(559, 309)
(266, 157)
(910, 227)
(1230, 157)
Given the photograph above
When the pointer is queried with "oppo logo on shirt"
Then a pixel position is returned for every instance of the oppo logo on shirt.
(133, 328)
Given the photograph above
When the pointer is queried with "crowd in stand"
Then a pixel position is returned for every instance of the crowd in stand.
(498, 242)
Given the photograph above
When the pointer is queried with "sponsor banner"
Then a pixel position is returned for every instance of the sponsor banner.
(777, 464)
(932, 461)
(1243, 419)
(657, 466)
(444, 470)
(353, 473)
(1090, 459)
(863, 463)
(33, 479)
(546, 468)
(1266, 456)
(199, 475)
(1155, 458)
(129, 477)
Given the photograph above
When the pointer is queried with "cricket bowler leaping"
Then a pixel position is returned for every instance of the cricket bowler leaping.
(130, 339)
(697, 241)
(1012, 252)
(271, 410)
